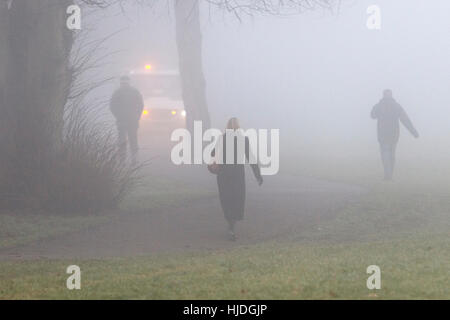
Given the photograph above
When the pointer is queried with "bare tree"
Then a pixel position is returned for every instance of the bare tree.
(34, 55)
(189, 42)
(189, 39)
(36, 74)
(5, 137)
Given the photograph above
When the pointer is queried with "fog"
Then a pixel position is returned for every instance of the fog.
(75, 188)
(316, 74)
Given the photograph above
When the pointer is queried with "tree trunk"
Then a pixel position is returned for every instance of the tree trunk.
(5, 136)
(189, 42)
(34, 79)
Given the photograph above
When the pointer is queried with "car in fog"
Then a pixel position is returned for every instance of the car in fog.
(163, 103)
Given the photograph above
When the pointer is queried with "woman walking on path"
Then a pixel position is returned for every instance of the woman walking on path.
(231, 182)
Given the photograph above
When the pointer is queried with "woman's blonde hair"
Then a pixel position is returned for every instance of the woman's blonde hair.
(233, 124)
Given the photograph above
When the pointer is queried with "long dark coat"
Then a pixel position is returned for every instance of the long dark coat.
(231, 183)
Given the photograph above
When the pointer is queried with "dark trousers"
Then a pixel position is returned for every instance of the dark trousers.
(388, 159)
(128, 135)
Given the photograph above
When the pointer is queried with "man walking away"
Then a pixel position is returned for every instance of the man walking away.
(127, 106)
(389, 115)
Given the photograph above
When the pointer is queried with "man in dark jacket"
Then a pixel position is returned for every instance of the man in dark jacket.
(127, 106)
(389, 115)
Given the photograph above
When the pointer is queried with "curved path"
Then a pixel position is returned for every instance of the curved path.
(285, 204)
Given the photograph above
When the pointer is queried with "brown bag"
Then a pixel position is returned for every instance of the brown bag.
(214, 168)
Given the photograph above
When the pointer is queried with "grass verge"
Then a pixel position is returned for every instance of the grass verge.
(410, 269)
(402, 227)
(21, 229)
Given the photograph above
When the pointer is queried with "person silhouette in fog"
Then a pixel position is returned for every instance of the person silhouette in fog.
(389, 114)
(127, 106)
(231, 179)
